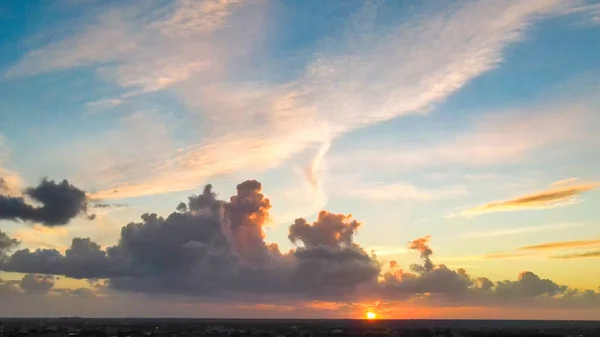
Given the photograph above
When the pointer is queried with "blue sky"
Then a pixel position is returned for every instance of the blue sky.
(473, 122)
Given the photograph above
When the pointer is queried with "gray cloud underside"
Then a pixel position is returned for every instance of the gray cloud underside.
(212, 248)
(61, 202)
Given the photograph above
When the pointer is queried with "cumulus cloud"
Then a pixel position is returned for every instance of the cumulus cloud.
(33, 284)
(422, 246)
(213, 248)
(332, 230)
(61, 202)
(542, 200)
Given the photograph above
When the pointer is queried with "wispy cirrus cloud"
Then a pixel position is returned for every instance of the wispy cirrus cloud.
(561, 245)
(551, 198)
(403, 191)
(496, 256)
(497, 138)
(194, 48)
(590, 11)
(521, 230)
(583, 255)
(534, 250)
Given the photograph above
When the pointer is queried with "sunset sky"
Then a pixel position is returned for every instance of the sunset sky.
(419, 160)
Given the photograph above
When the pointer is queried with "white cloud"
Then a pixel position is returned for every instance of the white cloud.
(194, 48)
(590, 12)
(401, 191)
(500, 138)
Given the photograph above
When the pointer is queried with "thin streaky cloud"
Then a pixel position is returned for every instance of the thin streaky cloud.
(560, 196)
(584, 255)
(562, 245)
(497, 256)
(490, 256)
(522, 230)
(387, 250)
(590, 13)
(495, 138)
(564, 181)
(403, 191)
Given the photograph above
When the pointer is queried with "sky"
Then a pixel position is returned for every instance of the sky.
(310, 159)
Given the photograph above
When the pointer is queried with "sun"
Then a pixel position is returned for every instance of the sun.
(371, 315)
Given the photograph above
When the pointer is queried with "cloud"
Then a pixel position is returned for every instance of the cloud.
(113, 205)
(422, 245)
(401, 191)
(590, 12)
(329, 230)
(215, 249)
(496, 256)
(561, 245)
(521, 230)
(28, 284)
(6, 245)
(555, 197)
(61, 202)
(495, 138)
(584, 255)
(10, 182)
(37, 283)
(218, 238)
(194, 50)
(564, 181)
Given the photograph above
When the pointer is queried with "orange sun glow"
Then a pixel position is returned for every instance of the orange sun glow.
(371, 315)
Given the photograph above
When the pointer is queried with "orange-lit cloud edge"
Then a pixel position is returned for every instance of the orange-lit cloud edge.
(394, 292)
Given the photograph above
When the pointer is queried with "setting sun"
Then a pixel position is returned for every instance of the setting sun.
(371, 315)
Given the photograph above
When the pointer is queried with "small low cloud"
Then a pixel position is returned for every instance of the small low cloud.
(584, 255)
(542, 200)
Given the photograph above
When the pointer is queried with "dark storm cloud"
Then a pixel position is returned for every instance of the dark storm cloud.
(61, 202)
(214, 248)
